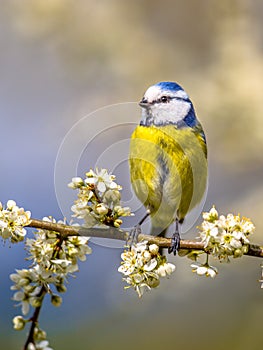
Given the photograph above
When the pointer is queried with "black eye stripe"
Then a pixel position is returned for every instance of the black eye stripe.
(166, 99)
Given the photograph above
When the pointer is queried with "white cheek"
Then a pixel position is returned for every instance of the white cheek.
(182, 109)
(173, 112)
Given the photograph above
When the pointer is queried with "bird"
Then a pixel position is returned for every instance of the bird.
(167, 160)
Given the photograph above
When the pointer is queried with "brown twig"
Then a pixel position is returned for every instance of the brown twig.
(34, 320)
(114, 233)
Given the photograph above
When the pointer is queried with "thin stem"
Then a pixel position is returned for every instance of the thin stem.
(114, 233)
(43, 291)
(34, 320)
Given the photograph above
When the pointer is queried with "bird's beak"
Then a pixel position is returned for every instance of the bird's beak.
(144, 103)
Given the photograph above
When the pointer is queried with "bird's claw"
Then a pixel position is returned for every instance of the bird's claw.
(175, 243)
(133, 235)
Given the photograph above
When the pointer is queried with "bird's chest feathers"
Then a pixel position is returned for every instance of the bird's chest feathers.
(168, 166)
(166, 148)
(164, 158)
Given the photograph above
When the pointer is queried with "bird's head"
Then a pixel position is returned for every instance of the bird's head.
(166, 103)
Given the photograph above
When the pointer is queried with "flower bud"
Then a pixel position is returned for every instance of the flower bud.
(39, 334)
(23, 282)
(10, 204)
(6, 233)
(237, 253)
(61, 288)
(245, 249)
(101, 209)
(35, 301)
(56, 300)
(19, 323)
(154, 249)
(147, 255)
(117, 223)
(119, 210)
(211, 216)
(153, 283)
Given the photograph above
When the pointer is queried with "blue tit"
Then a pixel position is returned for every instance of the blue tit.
(168, 158)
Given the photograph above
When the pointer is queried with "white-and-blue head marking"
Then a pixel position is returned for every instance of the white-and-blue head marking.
(167, 103)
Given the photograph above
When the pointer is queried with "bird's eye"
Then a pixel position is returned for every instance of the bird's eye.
(165, 99)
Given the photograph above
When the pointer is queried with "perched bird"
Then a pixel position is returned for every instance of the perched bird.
(168, 159)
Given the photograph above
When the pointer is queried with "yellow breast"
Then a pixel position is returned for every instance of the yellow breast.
(168, 169)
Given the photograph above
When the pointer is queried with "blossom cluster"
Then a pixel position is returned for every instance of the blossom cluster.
(55, 253)
(12, 222)
(225, 236)
(54, 257)
(143, 265)
(98, 199)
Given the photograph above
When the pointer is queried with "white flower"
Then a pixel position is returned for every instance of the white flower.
(43, 345)
(12, 222)
(76, 182)
(211, 215)
(230, 242)
(126, 269)
(24, 301)
(225, 236)
(31, 346)
(112, 197)
(98, 200)
(19, 296)
(140, 247)
(101, 179)
(52, 256)
(204, 269)
(166, 269)
(214, 232)
(11, 205)
(78, 247)
(247, 226)
(241, 236)
(143, 266)
(150, 265)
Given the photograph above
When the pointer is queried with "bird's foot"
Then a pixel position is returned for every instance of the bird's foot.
(175, 243)
(133, 235)
(136, 230)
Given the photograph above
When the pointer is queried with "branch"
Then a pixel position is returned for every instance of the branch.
(34, 320)
(114, 233)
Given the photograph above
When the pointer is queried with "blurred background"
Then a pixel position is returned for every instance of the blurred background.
(60, 61)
